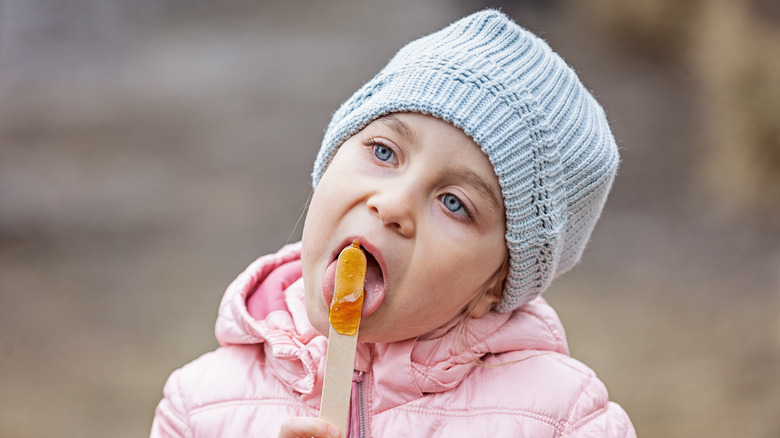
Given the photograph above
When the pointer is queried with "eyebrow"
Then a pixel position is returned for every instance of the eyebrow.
(400, 128)
(486, 190)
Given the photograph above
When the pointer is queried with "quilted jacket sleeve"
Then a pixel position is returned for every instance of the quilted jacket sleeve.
(594, 416)
(170, 418)
(612, 422)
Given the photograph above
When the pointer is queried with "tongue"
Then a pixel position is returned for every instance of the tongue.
(374, 285)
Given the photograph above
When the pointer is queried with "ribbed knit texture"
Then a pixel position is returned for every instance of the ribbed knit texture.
(546, 136)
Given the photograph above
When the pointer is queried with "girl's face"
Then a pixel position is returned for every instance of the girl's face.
(423, 200)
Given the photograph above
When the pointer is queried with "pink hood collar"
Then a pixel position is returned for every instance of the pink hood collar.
(265, 305)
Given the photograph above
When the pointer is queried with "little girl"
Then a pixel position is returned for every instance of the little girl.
(472, 169)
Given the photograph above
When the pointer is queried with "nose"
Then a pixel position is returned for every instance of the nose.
(396, 205)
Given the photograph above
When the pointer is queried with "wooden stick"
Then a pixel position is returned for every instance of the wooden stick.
(344, 317)
(337, 386)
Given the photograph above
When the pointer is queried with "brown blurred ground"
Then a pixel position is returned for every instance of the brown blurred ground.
(151, 150)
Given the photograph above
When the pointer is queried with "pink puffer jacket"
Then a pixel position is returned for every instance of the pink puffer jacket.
(270, 368)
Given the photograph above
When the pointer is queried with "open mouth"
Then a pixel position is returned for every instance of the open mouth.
(375, 281)
(374, 284)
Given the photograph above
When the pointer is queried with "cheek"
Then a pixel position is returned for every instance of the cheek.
(320, 215)
(315, 308)
(317, 206)
(332, 190)
(461, 269)
(444, 282)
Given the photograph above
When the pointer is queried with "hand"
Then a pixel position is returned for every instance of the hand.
(308, 427)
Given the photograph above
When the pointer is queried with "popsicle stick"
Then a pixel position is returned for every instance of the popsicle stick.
(344, 317)
(337, 385)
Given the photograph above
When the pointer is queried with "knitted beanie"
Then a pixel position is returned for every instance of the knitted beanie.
(546, 136)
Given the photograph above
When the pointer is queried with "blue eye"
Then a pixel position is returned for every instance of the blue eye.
(453, 204)
(383, 153)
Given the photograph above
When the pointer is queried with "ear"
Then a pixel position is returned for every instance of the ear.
(492, 293)
(482, 304)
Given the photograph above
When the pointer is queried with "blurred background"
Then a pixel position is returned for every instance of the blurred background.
(151, 149)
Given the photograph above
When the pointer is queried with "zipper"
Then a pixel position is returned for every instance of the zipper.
(361, 413)
(357, 419)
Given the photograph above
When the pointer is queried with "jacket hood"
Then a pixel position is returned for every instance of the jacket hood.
(265, 305)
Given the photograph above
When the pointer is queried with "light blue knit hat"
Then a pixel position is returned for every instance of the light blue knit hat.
(546, 136)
